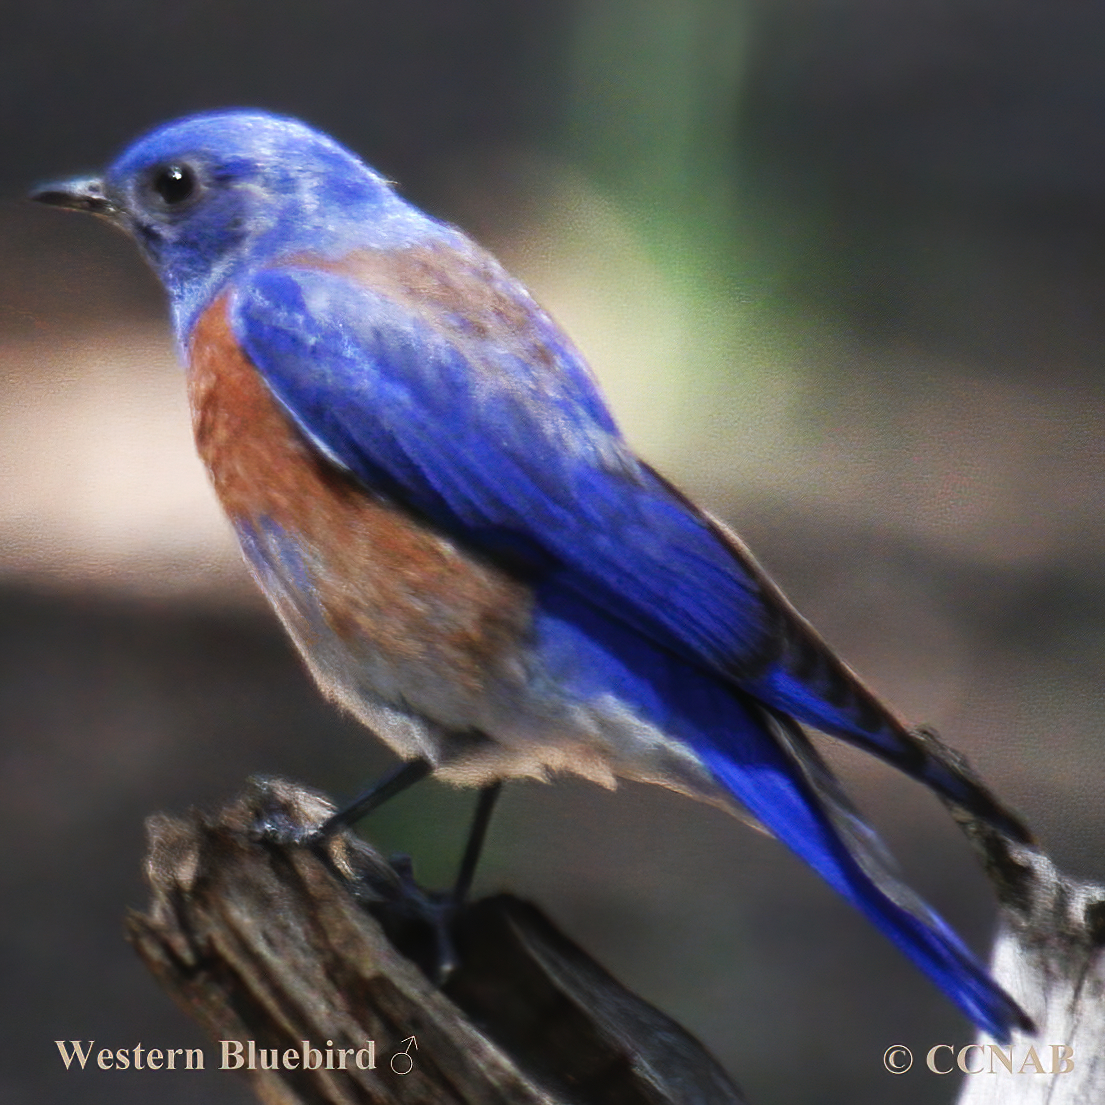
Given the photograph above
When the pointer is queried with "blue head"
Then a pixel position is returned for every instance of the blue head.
(206, 195)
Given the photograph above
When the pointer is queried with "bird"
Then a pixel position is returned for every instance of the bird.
(428, 486)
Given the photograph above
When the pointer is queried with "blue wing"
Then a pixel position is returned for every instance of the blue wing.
(480, 416)
(518, 458)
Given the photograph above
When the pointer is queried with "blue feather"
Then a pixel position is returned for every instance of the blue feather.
(469, 439)
(775, 776)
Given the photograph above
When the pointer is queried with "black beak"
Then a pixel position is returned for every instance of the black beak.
(85, 194)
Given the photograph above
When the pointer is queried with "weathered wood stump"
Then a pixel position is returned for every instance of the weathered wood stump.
(293, 949)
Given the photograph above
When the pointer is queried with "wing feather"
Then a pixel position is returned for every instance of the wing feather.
(467, 434)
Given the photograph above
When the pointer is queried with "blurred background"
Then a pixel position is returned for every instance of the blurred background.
(839, 265)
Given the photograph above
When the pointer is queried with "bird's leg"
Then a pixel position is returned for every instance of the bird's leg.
(485, 807)
(452, 904)
(406, 775)
(435, 909)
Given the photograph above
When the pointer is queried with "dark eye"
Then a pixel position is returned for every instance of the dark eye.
(175, 183)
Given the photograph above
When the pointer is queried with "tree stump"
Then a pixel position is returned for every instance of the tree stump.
(309, 970)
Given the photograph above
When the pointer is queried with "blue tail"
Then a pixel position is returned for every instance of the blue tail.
(831, 699)
(822, 829)
(765, 762)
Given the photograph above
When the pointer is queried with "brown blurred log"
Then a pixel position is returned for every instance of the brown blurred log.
(278, 944)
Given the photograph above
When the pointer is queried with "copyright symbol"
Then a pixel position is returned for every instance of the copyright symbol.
(897, 1059)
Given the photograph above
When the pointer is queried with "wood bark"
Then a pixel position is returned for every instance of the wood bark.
(1048, 955)
(295, 948)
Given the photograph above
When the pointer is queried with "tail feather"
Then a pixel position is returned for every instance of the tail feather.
(822, 692)
(800, 675)
(796, 796)
(762, 759)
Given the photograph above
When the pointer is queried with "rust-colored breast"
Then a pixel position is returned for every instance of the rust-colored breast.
(383, 580)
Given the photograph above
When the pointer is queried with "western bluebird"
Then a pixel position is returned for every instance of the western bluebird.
(428, 487)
